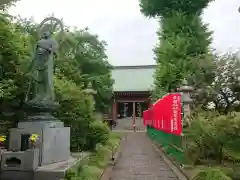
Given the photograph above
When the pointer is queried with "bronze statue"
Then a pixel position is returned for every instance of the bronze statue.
(42, 67)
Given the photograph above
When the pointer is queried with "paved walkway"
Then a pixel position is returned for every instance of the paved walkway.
(140, 161)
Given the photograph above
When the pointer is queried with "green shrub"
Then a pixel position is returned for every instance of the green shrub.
(98, 134)
(76, 110)
(211, 174)
(90, 173)
(92, 167)
(209, 137)
(69, 175)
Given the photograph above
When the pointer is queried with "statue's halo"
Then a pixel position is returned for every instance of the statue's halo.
(51, 27)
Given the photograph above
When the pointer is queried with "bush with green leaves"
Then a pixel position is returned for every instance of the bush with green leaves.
(212, 136)
(92, 167)
(211, 174)
(13, 81)
(99, 133)
(75, 110)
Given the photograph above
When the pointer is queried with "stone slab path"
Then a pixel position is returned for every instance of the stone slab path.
(140, 161)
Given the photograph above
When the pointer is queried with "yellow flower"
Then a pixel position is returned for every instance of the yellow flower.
(2, 139)
(34, 137)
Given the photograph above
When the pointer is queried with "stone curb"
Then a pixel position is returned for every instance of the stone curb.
(108, 169)
(175, 168)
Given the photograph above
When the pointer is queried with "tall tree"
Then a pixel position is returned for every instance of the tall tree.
(183, 40)
(85, 53)
(6, 3)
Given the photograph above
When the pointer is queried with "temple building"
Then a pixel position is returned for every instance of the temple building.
(131, 90)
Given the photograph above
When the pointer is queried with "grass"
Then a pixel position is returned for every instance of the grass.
(207, 168)
(93, 166)
(232, 156)
(230, 165)
(192, 171)
(211, 174)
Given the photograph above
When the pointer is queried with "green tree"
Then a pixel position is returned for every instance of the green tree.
(183, 40)
(6, 3)
(223, 87)
(13, 82)
(93, 65)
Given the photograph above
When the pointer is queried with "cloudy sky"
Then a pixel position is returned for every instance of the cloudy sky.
(130, 36)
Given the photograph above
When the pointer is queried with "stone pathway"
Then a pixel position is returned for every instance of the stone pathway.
(140, 161)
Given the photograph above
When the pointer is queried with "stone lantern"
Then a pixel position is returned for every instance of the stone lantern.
(89, 90)
(185, 91)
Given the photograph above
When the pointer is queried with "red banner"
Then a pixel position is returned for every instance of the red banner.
(167, 114)
(157, 116)
(151, 120)
(146, 117)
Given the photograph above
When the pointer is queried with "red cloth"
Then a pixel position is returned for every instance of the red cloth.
(167, 114)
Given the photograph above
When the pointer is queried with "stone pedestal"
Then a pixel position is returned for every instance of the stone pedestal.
(53, 143)
(52, 149)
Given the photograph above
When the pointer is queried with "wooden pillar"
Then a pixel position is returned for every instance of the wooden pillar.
(134, 116)
(114, 110)
(150, 106)
(149, 103)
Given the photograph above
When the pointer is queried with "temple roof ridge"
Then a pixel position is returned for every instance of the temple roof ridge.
(135, 66)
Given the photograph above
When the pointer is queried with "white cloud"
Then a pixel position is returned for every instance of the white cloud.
(130, 36)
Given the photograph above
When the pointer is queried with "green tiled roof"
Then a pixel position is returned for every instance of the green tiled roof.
(133, 78)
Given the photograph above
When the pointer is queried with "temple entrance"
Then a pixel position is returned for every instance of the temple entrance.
(128, 109)
(129, 115)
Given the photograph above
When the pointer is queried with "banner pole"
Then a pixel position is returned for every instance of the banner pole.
(183, 140)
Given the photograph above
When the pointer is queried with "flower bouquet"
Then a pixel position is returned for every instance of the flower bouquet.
(2, 141)
(33, 140)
